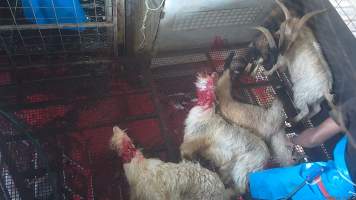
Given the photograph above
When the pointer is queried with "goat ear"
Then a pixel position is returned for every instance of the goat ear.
(302, 22)
(268, 35)
(284, 9)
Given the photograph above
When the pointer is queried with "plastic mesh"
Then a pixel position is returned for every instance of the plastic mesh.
(218, 57)
(21, 158)
(9, 184)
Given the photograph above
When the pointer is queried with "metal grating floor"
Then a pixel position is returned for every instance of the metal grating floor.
(175, 60)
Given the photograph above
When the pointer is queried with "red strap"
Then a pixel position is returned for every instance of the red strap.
(323, 189)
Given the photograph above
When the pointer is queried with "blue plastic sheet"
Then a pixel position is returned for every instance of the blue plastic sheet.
(53, 11)
(280, 182)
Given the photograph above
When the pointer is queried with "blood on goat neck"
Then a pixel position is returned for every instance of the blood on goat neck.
(205, 91)
(129, 151)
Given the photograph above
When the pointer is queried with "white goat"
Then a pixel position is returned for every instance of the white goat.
(234, 150)
(265, 123)
(153, 179)
(300, 53)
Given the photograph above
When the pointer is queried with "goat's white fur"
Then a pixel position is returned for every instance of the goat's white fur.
(235, 151)
(153, 179)
(265, 123)
(309, 72)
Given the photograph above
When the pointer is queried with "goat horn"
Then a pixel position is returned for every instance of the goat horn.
(306, 17)
(302, 22)
(284, 9)
(268, 35)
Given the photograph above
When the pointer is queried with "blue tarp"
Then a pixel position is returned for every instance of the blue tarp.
(277, 183)
(53, 11)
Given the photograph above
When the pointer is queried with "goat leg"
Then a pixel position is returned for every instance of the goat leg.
(240, 174)
(190, 148)
(303, 109)
(315, 109)
(282, 149)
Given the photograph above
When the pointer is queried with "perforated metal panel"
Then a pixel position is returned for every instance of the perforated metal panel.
(217, 57)
(194, 24)
(216, 18)
(180, 59)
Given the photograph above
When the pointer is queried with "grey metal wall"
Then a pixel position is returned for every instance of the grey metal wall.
(190, 24)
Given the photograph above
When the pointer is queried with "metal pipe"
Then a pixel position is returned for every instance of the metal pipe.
(173, 154)
(87, 62)
(54, 26)
(65, 101)
(115, 27)
(122, 22)
(16, 27)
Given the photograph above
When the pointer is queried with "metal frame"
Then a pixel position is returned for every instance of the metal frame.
(98, 38)
(173, 154)
(347, 10)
